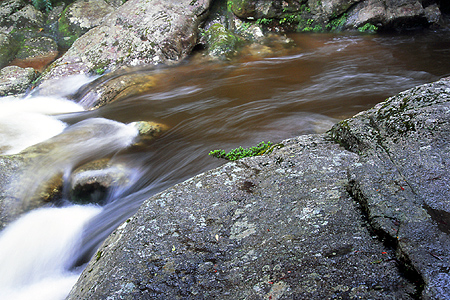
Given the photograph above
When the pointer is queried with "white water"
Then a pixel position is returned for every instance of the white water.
(25, 122)
(36, 250)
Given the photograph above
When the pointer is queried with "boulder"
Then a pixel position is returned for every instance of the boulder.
(36, 52)
(15, 80)
(137, 33)
(273, 227)
(27, 17)
(79, 17)
(388, 14)
(7, 8)
(8, 49)
(401, 179)
(312, 219)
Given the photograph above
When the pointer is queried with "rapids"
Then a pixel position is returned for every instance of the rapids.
(259, 96)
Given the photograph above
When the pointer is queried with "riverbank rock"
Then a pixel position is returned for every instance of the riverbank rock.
(79, 17)
(15, 80)
(137, 33)
(310, 220)
(8, 49)
(401, 181)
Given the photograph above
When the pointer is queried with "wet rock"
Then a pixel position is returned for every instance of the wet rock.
(8, 49)
(79, 17)
(36, 52)
(280, 226)
(149, 130)
(91, 182)
(115, 86)
(15, 80)
(137, 33)
(221, 42)
(401, 179)
(389, 14)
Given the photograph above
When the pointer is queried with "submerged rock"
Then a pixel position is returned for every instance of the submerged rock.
(36, 53)
(91, 182)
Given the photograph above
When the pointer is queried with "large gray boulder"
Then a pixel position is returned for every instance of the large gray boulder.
(402, 178)
(275, 227)
(137, 33)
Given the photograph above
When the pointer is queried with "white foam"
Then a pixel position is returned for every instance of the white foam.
(36, 250)
(25, 122)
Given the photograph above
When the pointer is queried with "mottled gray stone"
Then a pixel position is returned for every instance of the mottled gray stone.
(280, 226)
(402, 177)
(15, 80)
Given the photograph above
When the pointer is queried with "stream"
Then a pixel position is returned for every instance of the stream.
(264, 95)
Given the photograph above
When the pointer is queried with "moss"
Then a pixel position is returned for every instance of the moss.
(221, 42)
(337, 23)
(68, 37)
(238, 153)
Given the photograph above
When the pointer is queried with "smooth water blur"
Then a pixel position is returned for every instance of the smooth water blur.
(36, 251)
(264, 95)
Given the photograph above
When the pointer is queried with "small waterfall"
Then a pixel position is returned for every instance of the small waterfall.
(36, 252)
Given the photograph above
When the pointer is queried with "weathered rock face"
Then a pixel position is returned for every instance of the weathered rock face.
(36, 53)
(391, 14)
(137, 33)
(279, 226)
(15, 80)
(8, 49)
(291, 225)
(79, 17)
(402, 177)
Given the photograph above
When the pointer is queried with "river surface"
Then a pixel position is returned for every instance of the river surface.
(267, 94)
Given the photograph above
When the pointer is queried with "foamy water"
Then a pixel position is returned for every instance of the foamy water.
(25, 122)
(36, 252)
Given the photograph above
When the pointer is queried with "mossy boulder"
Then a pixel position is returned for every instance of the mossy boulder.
(8, 49)
(7, 8)
(36, 52)
(137, 33)
(79, 17)
(221, 42)
(28, 16)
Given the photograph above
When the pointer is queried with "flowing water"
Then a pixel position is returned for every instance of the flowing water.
(266, 94)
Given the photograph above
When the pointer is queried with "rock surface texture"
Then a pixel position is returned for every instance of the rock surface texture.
(313, 219)
(137, 33)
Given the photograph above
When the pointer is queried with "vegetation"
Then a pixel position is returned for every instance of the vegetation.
(240, 152)
(42, 5)
(369, 28)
